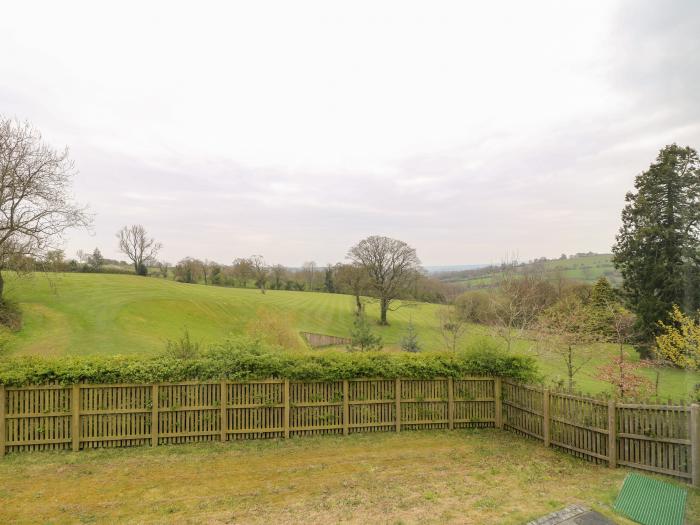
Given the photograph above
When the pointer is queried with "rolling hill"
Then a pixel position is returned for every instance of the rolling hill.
(584, 268)
(102, 314)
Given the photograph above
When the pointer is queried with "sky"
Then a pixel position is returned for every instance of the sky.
(474, 131)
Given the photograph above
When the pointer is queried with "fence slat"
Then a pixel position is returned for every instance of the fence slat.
(75, 418)
(155, 423)
(2, 420)
(612, 434)
(545, 419)
(398, 404)
(286, 408)
(695, 443)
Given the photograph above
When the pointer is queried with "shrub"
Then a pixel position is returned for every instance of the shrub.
(10, 314)
(246, 359)
(274, 328)
(361, 338)
(183, 348)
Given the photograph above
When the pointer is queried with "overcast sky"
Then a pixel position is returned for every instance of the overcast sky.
(471, 130)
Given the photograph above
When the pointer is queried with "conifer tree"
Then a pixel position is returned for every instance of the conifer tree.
(657, 249)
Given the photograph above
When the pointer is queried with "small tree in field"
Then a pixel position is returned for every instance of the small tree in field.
(409, 342)
(135, 243)
(452, 326)
(623, 375)
(565, 331)
(260, 270)
(361, 338)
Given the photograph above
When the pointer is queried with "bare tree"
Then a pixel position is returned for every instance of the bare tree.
(452, 326)
(352, 279)
(36, 206)
(391, 267)
(260, 271)
(519, 299)
(137, 246)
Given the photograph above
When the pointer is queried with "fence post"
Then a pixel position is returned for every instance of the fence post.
(612, 434)
(695, 442)
(2, 420)
(286, 408)
(498, 402)
(75, 418)
(546, 436)
(154, 415)
(223, 400)
(451, 403)
(398, 404)
(346, 407)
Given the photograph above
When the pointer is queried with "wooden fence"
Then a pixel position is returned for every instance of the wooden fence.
(659, 438)
(664, 439)
(321, 340)
(90, 416)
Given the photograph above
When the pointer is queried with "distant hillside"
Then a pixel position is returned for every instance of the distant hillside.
(582, 267)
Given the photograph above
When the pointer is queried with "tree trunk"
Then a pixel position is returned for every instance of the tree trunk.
(383, 306)
(358, 304)
(570, 369)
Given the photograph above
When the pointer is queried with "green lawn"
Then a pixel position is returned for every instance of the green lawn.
(463, 476)
(86, 314)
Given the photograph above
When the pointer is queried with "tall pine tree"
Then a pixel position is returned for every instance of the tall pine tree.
(657, 249)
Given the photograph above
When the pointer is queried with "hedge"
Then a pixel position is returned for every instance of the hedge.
(245, 359)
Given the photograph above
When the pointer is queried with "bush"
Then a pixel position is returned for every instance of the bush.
(246, 359)
(274, 329)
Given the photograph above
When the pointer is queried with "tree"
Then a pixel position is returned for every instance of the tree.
(657, 249)
(188, 270)
(391, 265)
(36, 206)
(328, 283)
(243, 271)
(451, 325)
(278, 273)
(679, 340)
(96, 260)
(409, 342)
(260, 271)
(565, 331)
(624, 377)
(137, 246)
(602, 293)
(352, 279)
(309, 271)
(361, 338)
(519, 300)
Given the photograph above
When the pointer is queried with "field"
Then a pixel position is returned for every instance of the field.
(588, 269)
(468, 476)
(88, 314)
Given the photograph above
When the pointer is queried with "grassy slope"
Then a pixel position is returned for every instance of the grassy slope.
(587, 269)
(471, 477)
(82, 314)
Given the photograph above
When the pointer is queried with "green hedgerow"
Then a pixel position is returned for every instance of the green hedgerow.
(245, 359)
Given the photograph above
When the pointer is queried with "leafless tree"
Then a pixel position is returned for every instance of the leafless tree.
(519, 299)
(261, 271)
(309, 270)
(452, 326)
(36, 206)
(137, 246)
(391, 267)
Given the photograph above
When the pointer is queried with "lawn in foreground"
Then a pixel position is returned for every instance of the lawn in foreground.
(465, 476)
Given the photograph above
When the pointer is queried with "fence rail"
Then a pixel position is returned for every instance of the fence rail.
(663, 439)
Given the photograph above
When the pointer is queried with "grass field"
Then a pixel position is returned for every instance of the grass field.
(586, 269)
(87, 314)
(470, 476)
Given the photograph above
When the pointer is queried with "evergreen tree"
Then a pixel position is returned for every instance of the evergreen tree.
(657, 249)
(328, 283)
(361, 338)
(409, 343)
(602, 294)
